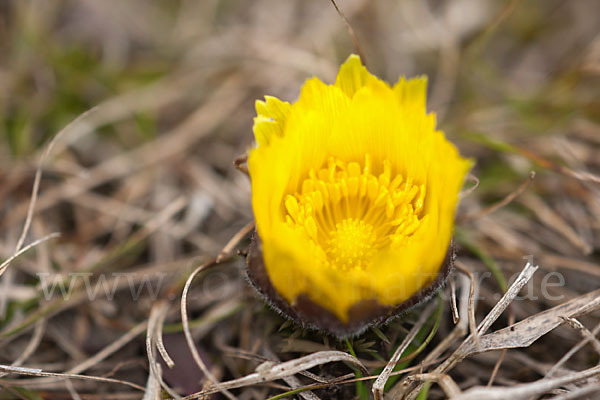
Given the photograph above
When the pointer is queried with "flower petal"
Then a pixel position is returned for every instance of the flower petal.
(353, 76)
(412, 93)
(270, 120)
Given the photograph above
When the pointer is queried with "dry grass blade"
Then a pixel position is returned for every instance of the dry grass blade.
(157, 316)
(152, 391)
(554, 221)
(505, 201)
(267, 372)
(467, 346)
(524, 391)
(90, 362)
(38, 178)
(459, 331)
(511, 321)
(446, 382)
(33, 344)
(527, 331)
(379, 384)
(467, 192)
(575, 324)
(453, 306)
(586, 176)
(7, 262)
(579, 393)
(347, 379)
(295, 382)
(507, 298)
(234, 241)
(570, 353)
(39, 372)
(471, 316)
(188, 334)
(496, 368)
(160, 345)
(72, 390)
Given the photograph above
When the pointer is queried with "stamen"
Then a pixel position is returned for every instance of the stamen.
(350, 213)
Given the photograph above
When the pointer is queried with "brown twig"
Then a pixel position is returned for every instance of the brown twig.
(505, 201)
(351, 32)
(240, 164)
(234, 241)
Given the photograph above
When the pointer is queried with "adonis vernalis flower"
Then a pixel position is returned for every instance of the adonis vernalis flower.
(354, 193)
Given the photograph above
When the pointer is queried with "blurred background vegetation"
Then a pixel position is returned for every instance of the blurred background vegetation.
(155, 99)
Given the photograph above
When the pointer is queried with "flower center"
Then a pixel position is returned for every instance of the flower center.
(351, 244)
(349, 213)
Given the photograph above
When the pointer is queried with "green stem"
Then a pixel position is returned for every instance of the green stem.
(361, 390)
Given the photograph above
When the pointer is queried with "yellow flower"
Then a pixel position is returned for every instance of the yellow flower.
(354, 193)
